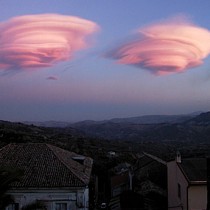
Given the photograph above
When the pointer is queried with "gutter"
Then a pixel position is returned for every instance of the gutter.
(198, 182)
(173, 207)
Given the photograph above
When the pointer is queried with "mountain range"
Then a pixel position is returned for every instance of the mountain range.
(145, 119)
(154, 128)
(191, 127)
(191, 136)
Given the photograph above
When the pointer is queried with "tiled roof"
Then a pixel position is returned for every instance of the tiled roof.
(143, 161)
(195, 169)
(45, 165)
(147, 159)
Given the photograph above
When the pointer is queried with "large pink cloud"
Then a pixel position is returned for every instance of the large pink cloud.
(167, 47)
(34, 41)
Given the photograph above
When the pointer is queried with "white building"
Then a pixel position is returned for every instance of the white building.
(54, 176)
(187, 184)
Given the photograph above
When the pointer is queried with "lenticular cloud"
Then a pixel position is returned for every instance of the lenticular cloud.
(165, 48)
(35, 41)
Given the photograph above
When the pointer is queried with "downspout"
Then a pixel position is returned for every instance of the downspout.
(208, 182)
(187, 196)
(130, 180)
(86, 199)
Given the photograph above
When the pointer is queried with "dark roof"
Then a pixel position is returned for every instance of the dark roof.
(147, 159)
(143, 161)
(195, 169)
(45, 165)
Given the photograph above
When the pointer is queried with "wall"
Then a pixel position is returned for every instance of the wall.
(119, 183)
(76, 199)
(175, 176)
(197, 197)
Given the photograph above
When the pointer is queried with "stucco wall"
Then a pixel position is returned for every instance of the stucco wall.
(197, 197)
(76, 199)
(175, 176)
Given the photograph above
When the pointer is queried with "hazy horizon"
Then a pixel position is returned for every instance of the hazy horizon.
(105, 119)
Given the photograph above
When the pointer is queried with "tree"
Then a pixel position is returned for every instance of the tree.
(7, 177)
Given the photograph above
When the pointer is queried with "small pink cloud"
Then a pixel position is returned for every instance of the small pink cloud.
(52, 78)
(35, 41)
(163, 48)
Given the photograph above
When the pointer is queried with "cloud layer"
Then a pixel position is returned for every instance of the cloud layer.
(166, 47)
(34, 41)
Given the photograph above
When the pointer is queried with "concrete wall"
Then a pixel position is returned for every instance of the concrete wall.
(76, 199)
(197, 197)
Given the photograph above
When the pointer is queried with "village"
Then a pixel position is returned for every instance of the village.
(57, 179)
(104, 105)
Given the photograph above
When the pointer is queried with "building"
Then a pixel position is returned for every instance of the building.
(111, 183)
(120, 179)
(58, 178)
(187, 184)
(150, 181)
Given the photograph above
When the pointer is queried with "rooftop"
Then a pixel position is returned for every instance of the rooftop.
(45, 165)
(195, 169)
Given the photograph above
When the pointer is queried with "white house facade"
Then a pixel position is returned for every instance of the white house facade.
(187, 184)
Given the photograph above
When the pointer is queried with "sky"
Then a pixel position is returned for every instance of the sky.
(73, 60)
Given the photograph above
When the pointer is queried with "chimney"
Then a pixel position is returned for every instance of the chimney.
(178, 157)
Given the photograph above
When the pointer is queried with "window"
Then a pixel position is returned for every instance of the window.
(61, 206)
(14, 206)
(179, 190)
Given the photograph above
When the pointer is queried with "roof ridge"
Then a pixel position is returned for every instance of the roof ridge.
(155, 158)
(75, 172)
(183, 172)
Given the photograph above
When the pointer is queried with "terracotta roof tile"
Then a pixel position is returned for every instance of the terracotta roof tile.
(46, 166)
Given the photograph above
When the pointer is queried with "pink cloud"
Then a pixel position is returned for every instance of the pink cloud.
(163, 48)
(35, 41)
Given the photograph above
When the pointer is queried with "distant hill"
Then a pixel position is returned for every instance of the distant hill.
(202, 119)
(96, 139)
(20, 132)
(145, 119)
(51, 124)
(179, 128)
(155, 119)
(171, 128)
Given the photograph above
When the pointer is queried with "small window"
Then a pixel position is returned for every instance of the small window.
(179, 190)
(13, 206)
(61, 206)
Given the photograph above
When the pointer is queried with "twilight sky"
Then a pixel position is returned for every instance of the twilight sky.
(72, 60)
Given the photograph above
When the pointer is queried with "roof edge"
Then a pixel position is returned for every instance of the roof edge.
(86, 182)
